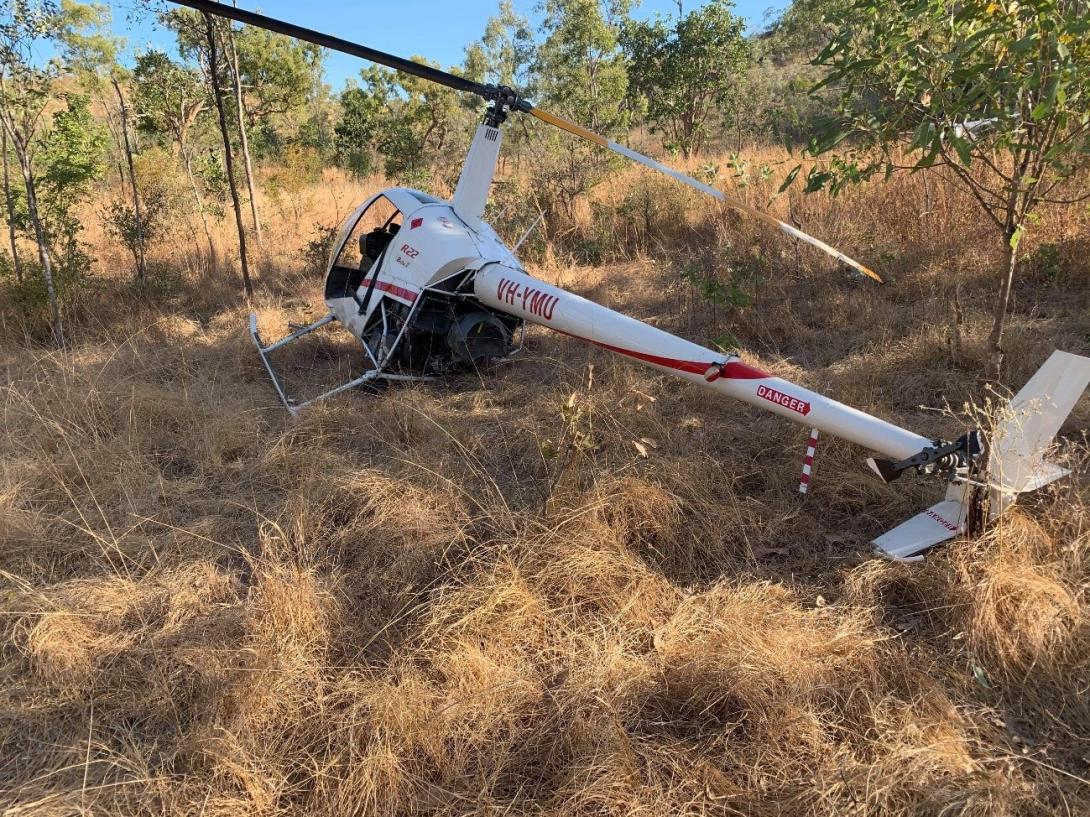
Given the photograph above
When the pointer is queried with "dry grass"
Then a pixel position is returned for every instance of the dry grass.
(396, 605)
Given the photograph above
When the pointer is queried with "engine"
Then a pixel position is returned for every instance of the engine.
(444, 333)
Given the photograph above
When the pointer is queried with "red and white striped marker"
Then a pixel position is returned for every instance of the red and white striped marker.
(808, 463)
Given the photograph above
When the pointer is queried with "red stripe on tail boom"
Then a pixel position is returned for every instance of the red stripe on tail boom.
(732, 369)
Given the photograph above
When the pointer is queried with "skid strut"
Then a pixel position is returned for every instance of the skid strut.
(264, 350)
(291, 404)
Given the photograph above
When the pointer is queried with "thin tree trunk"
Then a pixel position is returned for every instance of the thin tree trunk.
(138, 252)
(240, 111)
(15, 260)
(999, 319)
(200, 202)
(108, 119)
(217, 94)
(39, 235)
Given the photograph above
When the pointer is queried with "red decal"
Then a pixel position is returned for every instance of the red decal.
(539, 303)
(733, 370)
(944, 522)
(416, 222)
(785, 400)
(393, 289)
(740, 371)
(535, 302)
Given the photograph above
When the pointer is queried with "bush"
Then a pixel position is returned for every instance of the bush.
(315, 254)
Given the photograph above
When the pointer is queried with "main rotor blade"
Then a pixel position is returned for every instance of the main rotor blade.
(337, 44)
(647, 161)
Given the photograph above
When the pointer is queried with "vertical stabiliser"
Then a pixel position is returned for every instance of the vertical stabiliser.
(1026, 427)
(471, 194)
(1016, 462)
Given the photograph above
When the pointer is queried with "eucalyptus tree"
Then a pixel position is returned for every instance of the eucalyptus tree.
(365, 111)
(688, 69)
(170, 101)
(996, 92)
(9, 209)
(273, 77)
(201, 37)
(579, 71)
(57, 149)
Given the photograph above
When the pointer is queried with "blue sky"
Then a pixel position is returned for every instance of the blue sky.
(437, 29)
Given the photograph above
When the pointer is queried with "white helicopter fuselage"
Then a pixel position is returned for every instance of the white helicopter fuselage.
(514, 291)
(435, 243)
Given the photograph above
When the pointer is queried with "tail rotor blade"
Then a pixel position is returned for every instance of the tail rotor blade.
(647, 161)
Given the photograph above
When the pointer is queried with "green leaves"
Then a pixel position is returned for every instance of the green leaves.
(1001, 89)
(1016, 238)
(683, 70)
(963, 148)
(787, 182)
(168, 96)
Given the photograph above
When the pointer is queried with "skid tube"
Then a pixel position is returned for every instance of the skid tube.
(293, 406)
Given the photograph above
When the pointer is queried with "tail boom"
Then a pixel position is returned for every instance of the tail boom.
(516, 293)
(1016, 461)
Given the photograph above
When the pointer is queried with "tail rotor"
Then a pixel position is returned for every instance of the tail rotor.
(1022, 437)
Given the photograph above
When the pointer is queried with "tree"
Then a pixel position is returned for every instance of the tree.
(281, 80)
(684, 72)
(169, 101)
(580, 70)
(505, 54)
(240, 119)
(68, 160)
(580, 74)
(26, 90)
(201, 36)
(423, 116)
(139, 236)
(24, 93)
(273, 78)
(92, 57)
(406, 120)
(214, 49)
(365, 111)
(9, 205)
(998, 93)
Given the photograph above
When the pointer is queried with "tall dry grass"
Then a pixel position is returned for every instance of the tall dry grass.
(482, 596)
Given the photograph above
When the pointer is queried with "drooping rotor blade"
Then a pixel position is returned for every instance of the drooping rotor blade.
(337, 44)
(647, 161)
(503, 96)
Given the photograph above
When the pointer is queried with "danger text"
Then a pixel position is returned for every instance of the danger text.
(785, 400)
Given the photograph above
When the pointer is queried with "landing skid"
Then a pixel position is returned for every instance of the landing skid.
(294, 406)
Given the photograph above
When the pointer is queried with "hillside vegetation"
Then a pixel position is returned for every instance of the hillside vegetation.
(566, 586)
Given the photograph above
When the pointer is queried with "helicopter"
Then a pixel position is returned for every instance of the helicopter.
(427, 287)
